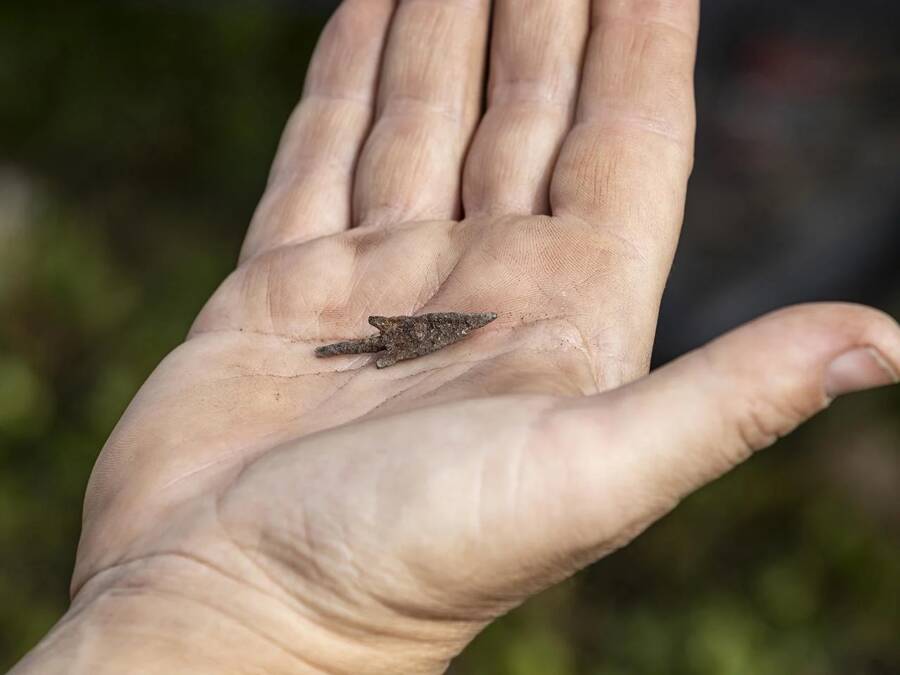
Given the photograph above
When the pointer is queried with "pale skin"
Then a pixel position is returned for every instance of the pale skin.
(260, 510)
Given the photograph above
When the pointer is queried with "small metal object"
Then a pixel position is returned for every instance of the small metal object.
(408, 337)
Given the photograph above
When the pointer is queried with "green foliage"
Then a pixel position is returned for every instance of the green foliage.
(135, 141)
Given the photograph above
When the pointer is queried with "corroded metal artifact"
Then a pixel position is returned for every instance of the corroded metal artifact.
(407, 337)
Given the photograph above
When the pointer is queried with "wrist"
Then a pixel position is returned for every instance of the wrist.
(148, 631)
(176, 615)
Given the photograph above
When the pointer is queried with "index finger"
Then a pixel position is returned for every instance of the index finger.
(626, 162)
(309, 190)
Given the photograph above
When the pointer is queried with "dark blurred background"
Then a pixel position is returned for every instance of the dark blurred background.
(134, 141)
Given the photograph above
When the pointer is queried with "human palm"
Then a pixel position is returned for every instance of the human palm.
(295, 514)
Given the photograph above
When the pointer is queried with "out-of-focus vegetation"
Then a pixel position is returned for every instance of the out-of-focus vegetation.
(134, 141)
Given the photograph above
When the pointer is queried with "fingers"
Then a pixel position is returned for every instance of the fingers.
(310, 186)
(428, 104)
(536, 54)
(626, 162)
(634, 452)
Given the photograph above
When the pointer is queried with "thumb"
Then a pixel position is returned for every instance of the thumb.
(633, 453)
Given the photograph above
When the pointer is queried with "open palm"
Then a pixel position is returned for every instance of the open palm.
(294, 514)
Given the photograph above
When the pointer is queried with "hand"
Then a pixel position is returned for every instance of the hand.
(261, 510)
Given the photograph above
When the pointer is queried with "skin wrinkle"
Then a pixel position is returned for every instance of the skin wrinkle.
(317, 314)
(443, 281)
(359, 276)
(428, 374)
(221, 459)
(644, 20)
(753, 433)
(233, 577)
(285, 337)
(267, 375)
(548, 296)
(512, 92)
(314, 118)
(341, 624)
(416, 306)
(618, 119)
(392, 197)
(322, 402)
(347, 237)
(223, 610)
(287, 244)
(410, 106)
(359, 573)
(476, 508)
(460, 624)
(474, 5)
(305, 602)
(518, 463)
(398, 610)
(121, 566)
(302, 562)
(249, 455)
(665, 94)
(464, 620)
(378, 216)
(636, 252)
(287, 180)
(268, 294)
(588, 353)
(475, 605)
(349, 380)
(756, 432)
(315, 95)
(429, 288)
(548, 350)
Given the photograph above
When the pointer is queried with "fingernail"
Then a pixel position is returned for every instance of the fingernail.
(858, 370)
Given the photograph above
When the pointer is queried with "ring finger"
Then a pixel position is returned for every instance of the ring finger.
(536, 55)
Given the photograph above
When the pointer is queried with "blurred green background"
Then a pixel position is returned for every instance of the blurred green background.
(134, 142)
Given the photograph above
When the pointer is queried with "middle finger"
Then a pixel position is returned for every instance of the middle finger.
(536, 55)
(429, 102)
